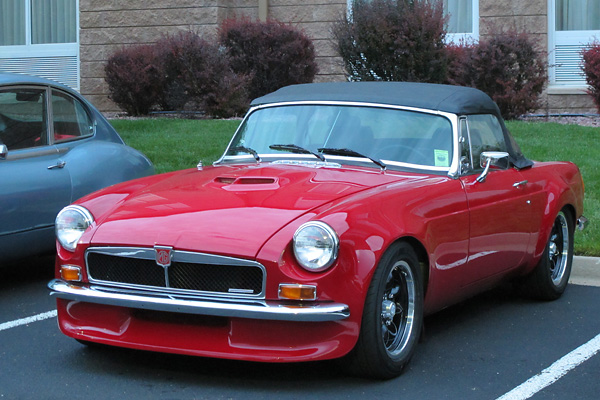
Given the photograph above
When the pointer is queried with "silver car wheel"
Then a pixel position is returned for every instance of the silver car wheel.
(558, 248)
(398, 308)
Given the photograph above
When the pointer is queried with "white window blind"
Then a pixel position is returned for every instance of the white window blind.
(574, 24)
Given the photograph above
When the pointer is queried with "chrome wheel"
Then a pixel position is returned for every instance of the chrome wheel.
(558, 248)
(550, 277)
(392, 317)
(398, 308)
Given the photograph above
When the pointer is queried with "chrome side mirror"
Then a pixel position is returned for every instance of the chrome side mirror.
(3, 151)
(492, 159)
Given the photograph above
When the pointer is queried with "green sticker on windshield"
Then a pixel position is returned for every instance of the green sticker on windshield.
(441, 158)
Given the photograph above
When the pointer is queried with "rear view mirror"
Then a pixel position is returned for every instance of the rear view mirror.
(494, 160)
(29, 96)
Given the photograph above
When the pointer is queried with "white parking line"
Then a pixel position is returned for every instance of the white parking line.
(554, 372)
(24, 321)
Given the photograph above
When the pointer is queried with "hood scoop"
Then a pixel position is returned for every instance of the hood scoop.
(244, 180)
(247, 183)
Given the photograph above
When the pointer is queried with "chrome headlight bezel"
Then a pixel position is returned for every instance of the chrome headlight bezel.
(71, 222)
(316, 246)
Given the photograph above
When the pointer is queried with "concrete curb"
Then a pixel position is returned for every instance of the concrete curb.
(586, 271)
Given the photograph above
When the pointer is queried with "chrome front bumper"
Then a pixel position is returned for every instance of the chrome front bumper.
(257, 309)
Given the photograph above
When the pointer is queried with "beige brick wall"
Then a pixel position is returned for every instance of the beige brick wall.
(109, 25)
(315, 18)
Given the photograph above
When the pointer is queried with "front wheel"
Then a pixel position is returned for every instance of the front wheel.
(392, 317)
(549, 279)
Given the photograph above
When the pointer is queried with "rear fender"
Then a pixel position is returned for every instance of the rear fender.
(564, 193)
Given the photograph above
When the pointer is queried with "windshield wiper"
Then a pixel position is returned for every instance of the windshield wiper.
(292, 148)
(350, 153)
(248, 150)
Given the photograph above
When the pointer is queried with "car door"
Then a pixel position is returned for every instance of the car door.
(35, 184)
(72, 126)
(499, 206)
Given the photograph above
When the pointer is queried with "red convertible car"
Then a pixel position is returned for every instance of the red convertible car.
(339, 215)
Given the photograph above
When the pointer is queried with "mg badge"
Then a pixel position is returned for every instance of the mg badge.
(163, 255)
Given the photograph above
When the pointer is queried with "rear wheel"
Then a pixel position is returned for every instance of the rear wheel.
(549, 279)
(392, 317)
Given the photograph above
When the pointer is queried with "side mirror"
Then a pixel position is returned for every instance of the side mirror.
(3, 151)
(492, 159)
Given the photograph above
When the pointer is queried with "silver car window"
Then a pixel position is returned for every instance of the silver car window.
(23, 118)
(70, 118)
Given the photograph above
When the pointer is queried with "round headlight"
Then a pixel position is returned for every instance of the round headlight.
(71, 222)
(316, 246)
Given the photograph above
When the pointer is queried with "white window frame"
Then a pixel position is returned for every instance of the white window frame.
(469, 37)
(458, 38)
(564, 64)
(44, 54)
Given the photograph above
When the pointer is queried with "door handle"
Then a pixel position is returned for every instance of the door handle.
(519, 184)
(60, 164)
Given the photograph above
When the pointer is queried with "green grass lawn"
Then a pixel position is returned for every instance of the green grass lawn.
(174, 144)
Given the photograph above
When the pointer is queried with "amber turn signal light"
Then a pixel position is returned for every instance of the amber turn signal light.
(70, 272)
(294, 291)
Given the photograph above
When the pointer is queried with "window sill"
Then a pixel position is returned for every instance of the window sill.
(567, 89)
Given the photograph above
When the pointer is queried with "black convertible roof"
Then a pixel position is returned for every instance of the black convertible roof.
(453, 99)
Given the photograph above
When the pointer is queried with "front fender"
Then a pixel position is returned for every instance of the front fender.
(432, 212)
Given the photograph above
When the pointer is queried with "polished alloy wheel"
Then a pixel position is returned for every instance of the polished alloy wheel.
(558, 248)
(398, 308)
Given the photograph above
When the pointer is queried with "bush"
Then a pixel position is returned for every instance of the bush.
(394, 40)
(198, 75)
(591, 69)
(506, 67)
(184, 71)
(134, 79)
(273, 54)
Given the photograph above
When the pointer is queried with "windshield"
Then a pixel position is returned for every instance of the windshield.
(390, 135)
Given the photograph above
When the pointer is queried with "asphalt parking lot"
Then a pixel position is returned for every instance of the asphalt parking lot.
(497, 345)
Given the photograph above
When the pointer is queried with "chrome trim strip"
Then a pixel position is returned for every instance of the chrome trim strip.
(182, 257)
(264, 310)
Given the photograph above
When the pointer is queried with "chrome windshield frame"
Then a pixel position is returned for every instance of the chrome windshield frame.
(452, 171)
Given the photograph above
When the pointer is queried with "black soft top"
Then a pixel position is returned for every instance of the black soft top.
(453, 99)
(458, 100)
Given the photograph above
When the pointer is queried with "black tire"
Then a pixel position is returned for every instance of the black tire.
(393, 316)
(549, 279)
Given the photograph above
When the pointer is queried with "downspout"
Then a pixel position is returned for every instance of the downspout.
(263, 10)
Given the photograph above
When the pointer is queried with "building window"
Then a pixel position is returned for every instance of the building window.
(463, 19)
(573, 24)
(580, 15)
(40, 37)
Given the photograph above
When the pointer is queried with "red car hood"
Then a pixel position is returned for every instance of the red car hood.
(226, 209)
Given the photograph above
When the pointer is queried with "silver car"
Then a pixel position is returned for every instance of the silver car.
(55, 147)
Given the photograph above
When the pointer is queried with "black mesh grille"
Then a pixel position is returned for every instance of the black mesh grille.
(188, 276)
(133, 271)
(215, 278)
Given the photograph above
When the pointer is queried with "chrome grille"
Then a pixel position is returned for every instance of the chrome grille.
(188, 271)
